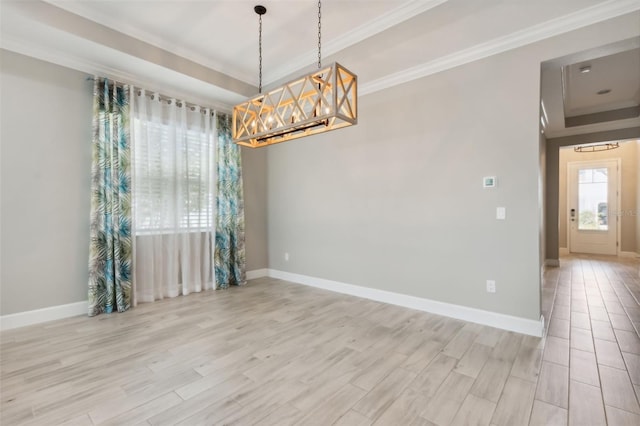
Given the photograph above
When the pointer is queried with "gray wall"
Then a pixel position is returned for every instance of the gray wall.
(254, 175)
(552, 159)
(637, 211)
(396, 202)
(629, 171)
(46, 170)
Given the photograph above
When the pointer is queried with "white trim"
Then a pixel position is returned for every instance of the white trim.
(22, 319)
(567, 211)
(627, 254)
(257, 273)
(82, 64)
(492, 319)
(588, 16)
(86, 11)
(405, 11)
(619, 206)
(564, 251)
(552, 262)
(593, 128)
(573, 21)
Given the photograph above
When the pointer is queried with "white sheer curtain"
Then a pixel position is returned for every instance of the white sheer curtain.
(174, 193)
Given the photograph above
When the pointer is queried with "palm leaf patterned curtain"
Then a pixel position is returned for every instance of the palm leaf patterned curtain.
(229, 251)
(110, 252)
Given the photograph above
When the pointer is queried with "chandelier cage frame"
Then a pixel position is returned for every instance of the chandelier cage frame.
(322, 100)
(598, 147)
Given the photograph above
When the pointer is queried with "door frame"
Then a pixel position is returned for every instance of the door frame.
(618, 197)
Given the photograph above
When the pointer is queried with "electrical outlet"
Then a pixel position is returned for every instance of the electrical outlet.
(501, 213)
(286, 257)
(491, 286)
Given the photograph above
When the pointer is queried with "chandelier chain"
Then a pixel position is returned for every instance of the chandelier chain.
(260, 54)
(319, 34)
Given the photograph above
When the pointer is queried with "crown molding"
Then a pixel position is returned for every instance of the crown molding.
(86, 11)
(57, 57)
(628, 123)
(551, 28)
(398, 15)
(82, 64)
(603, 11)
(405, 11)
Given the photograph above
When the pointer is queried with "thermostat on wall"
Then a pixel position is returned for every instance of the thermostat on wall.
(489, 182)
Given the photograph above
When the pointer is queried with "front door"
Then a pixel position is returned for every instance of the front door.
(592, 203)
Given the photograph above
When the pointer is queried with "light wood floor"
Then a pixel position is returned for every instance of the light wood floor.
(276, 353)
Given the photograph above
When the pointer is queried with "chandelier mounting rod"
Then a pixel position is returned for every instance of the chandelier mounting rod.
(319, 34)
(260, 10)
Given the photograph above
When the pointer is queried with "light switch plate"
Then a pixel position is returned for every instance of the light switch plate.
(501, 213)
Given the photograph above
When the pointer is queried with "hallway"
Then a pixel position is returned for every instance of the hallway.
(590, 371)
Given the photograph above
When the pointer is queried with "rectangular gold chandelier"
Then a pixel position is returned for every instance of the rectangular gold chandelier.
(315, 103)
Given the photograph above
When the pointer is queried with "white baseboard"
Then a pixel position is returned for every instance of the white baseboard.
(257, 273)
(627, 254)
(38, 316)
(565, 252)
(552, 262)
(492, 319)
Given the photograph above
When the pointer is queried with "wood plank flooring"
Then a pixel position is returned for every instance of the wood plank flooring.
(277, 353)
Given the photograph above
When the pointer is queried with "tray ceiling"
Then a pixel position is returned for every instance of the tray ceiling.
(207, 49)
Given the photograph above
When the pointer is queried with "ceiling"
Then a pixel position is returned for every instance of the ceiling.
(591, 91)
(207, 49)
(619, 74)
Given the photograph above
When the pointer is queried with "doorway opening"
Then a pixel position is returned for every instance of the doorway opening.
(598, 199)
(587, 100)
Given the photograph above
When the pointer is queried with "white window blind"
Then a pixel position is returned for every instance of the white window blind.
(173, 177)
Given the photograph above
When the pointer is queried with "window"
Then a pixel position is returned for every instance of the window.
(592, 196)
(173, 178)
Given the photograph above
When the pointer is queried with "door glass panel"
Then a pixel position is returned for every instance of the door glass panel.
(592, 199)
